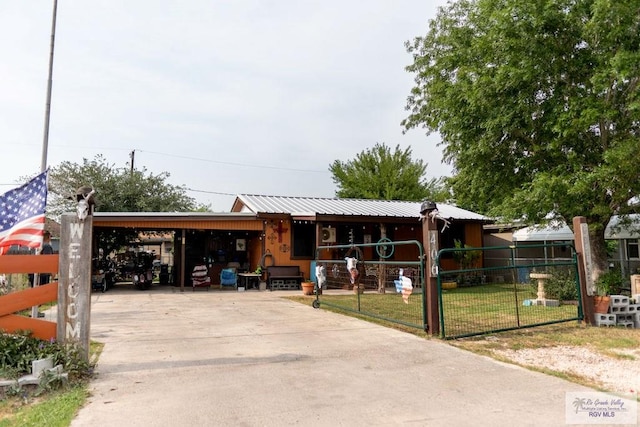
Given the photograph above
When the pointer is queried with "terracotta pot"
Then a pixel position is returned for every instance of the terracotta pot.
(601, 304)
(307, 288)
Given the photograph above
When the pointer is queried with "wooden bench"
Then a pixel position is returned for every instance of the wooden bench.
(284, 277)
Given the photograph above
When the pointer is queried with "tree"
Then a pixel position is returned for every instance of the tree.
(379, 174)
(537, 104)
(117, 190)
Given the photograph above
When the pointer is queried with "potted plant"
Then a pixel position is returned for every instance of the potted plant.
(606, 285)
(308, 287)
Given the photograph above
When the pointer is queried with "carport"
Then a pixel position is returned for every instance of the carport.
(197, 236)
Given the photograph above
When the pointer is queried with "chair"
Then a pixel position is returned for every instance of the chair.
(228, 277)
(200, 277)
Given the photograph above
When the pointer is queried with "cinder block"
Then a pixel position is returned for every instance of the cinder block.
(636, 320)
(619, 309)
(605, 319)
(38, 366)
(633, 308)
(619, 301)
(625, 324)
(624, 317)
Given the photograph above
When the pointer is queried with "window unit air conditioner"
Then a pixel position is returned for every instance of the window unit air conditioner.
(328, 235)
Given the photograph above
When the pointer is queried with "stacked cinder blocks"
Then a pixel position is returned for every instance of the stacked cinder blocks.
(623, 311)
(605, 319)
(635, 310)
(620, 307)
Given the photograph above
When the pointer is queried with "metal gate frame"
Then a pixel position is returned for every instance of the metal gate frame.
(514, 266)
(384, 248)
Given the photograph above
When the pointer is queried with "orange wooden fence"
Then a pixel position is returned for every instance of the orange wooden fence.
(22, 300)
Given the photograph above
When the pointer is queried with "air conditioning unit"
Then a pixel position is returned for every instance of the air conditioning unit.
(328, 235)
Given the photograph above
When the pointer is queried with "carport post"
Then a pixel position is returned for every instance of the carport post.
(430, 242)
(182, 260)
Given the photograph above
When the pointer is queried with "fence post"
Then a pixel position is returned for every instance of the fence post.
(430, 241)
(74, 281)
(583, 248)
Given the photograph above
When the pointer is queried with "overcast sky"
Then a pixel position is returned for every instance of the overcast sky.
(229, 97)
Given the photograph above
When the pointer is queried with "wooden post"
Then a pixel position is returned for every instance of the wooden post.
(74, 281)
(430, 242)
(183, 262)
(583, 248)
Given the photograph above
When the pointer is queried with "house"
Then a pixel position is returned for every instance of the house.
(529, 242)
(279, 230)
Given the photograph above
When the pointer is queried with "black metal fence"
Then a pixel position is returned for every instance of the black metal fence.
(507, 295)
(387, 282)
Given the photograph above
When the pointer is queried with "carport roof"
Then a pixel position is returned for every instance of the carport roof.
(314, 206)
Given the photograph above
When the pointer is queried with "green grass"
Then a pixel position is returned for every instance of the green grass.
(467, 311)
(54, 410)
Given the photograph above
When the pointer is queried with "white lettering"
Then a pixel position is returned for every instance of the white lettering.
(76, 230)
(74, 249)
(73, 331)
(72, 310)
(73, 291)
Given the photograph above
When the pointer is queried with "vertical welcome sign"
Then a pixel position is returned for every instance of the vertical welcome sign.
(74, 281)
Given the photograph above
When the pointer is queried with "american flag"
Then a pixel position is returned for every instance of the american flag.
(22, 214)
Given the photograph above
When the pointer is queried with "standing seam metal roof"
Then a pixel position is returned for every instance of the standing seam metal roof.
(349, 207)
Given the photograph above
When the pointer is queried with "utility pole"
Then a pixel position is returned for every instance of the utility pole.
(133, 156)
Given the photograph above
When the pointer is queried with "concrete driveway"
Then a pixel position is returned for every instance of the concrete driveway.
(225, 358)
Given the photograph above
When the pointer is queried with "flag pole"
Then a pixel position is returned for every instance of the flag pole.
(45, 141)
(47, 114)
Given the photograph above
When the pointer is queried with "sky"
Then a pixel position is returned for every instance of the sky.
(228, 97)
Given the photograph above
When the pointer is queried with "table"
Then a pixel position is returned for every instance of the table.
(245, 279)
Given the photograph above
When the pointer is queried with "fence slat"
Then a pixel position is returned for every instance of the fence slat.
(42, 329)
(22, 300)
(11, 264)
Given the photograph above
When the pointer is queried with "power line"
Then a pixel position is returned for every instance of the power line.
(219, 193)
(232, 163)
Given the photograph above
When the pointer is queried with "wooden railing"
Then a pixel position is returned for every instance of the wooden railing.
(23, 300)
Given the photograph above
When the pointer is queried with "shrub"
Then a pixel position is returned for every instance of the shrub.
(610, 282)
(562, 286)
(18, 350)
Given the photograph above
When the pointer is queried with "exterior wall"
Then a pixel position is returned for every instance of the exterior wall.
(277, 241)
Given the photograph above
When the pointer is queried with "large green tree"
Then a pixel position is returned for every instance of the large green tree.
(378, 173)
(118, 189)
(537, 104)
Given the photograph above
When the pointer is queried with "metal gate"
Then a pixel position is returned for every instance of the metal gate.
(386, 280)
(510, 291)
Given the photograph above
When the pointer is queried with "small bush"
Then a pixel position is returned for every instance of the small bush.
(561, 286)
(18, 350)
(610, 282)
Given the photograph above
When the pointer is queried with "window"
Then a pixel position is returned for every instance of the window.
(304, 240)
(632, 249)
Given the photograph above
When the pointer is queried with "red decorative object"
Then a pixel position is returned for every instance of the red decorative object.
(280, 230)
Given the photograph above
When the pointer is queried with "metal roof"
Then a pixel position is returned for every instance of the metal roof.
(310, 206)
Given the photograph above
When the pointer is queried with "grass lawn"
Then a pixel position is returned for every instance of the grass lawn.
(467, 311)
(52, 409)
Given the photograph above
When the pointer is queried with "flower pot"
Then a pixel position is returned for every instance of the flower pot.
(601, 304)
(307, 288)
